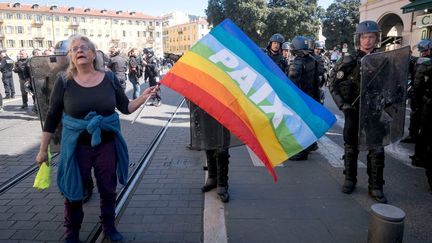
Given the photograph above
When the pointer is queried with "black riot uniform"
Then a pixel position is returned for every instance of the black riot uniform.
(423, 91)
(345, 90)
(416, 104)
(118, 66)
(215, 139)
(276, 55)
(6, 66)
(151, 72)
(21, 68)
(303, 73)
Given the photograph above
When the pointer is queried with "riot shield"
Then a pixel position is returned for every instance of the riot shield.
(207, 133)
(44, 71)
(382, 97)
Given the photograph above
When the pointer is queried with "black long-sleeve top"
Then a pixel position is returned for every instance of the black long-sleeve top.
(78, 101)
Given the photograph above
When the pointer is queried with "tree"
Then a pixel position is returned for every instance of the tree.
(260, 19)
(339, 23)
(292, 17)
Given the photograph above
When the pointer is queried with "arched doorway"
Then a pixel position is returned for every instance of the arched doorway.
(391, 27)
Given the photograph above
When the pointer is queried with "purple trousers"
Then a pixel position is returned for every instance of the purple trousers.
(103, 159)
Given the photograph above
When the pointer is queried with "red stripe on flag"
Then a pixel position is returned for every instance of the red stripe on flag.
(215, 109)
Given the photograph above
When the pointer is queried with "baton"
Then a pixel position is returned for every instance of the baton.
(143, 105)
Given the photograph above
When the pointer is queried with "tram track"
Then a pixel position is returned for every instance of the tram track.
(127, 192)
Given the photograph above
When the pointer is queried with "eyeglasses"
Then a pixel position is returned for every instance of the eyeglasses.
(82, 48)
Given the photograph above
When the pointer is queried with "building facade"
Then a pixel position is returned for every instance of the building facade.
(29, 26)
(179, 38)
(402, 22)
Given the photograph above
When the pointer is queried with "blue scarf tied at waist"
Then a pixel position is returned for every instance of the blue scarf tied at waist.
(69, 176)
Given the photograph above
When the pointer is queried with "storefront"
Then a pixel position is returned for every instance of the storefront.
(402, 22)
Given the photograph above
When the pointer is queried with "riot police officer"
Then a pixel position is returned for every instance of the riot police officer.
(303, 73)
(286, 53)
(321, 67)
(21, 68)
(151, 72)
(345, 90)
(6, 66)
(423, 98)
(274, 50)
(118, 65)
(425, 49)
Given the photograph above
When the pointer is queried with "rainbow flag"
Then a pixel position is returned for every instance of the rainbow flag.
(233, 80)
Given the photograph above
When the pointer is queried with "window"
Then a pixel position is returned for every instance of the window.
(151, 23)
(28, 16)
(9, 15)
(18, 16)
(49, 43)
(21, 43)
(57, 18)
(84, 31)
(144, 23)
(39, 43)
(30, 43)
(157, 34)
(19, 30)
(65, 19)
(74, 31)
(83, 19)
(124, 33)
(74, 19)
(138, 33)
(151, 34)
(38, 18)
(9, 29)
(10, 43)
(48, 17)
(115, 21)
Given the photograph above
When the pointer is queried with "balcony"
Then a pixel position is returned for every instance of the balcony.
(150, 39)
(74, 24)
(38, 37)
(150, 28)
(37, 23)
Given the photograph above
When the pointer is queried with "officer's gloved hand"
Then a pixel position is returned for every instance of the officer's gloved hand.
(347, 107)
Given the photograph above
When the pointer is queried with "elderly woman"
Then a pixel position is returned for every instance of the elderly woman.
(85, 101)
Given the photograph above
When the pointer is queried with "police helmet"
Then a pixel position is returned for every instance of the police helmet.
(277, 38)
(286, 45)
(148, 51)
(424, 45)
(319, 45)
(367, 26)
(62, 47)
(300, 43)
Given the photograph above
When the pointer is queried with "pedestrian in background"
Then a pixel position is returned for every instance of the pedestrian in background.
(118, 65)
(85, 101)
(135, 71)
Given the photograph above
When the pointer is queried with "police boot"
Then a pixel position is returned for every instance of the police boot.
(350, 171)
(376, 173)
(73, 218)
(211, 182)
(107, 218)
(222, 175)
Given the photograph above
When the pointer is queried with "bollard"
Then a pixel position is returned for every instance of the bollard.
(386, 224)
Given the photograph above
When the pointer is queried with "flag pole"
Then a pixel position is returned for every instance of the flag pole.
(143, 105)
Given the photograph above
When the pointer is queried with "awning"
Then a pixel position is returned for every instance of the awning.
(416, 5)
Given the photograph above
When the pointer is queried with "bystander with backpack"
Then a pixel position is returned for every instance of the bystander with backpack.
(135, 71)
